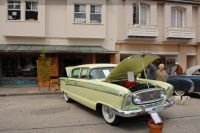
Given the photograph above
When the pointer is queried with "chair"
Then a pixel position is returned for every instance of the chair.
(54, 82)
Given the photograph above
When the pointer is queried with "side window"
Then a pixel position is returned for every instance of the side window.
(196, 72)
(84, 73)
(75, 73)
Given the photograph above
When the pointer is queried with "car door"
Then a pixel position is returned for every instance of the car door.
(79, 85)
(71, 83)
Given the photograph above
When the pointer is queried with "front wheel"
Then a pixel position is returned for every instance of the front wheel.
(109, 116)
(179, 93)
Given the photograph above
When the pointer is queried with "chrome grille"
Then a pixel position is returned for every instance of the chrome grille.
(149, 96)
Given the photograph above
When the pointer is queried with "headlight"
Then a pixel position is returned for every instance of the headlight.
(128, 101)
(137, 99)
(162, 94)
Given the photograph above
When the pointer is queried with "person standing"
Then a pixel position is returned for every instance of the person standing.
(179, 69)
(161, 74)
(151, 72)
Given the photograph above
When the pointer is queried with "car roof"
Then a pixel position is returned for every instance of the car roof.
(96, 65)
(191, 70)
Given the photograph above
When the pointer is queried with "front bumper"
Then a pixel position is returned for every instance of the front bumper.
(144, 109)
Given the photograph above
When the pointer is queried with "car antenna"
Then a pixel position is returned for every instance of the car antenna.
(143, 54)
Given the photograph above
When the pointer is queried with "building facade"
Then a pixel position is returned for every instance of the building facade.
(74, 32)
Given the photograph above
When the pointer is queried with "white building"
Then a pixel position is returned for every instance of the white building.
(76, 32)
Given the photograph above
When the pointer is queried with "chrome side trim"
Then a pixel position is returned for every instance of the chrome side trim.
(144, 109)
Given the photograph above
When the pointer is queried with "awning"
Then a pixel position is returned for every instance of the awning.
(53, 48)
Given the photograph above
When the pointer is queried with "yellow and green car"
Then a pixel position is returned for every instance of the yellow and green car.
(116, 90)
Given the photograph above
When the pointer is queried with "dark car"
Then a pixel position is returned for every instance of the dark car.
(187, 82)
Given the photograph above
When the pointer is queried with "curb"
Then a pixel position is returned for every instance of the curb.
(22, 94)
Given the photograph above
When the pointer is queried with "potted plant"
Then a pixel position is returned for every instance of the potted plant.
(155, 128)
(45, 68)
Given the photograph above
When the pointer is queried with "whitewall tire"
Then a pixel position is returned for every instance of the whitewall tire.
(67, 99)
(109, 116)
(179, 93)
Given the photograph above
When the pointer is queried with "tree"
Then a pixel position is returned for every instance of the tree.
(44, 68)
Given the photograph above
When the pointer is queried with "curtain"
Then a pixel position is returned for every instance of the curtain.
(173, 18)
(97, 9)
(179, 18)
(143, 17)
(35, 6)
(82, 8)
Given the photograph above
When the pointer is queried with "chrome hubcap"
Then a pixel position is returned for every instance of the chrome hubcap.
(109, 112)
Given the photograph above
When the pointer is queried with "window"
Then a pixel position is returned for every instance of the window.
(31, 11)
(14, 10)
(84, 73)
(95, 14)
(100, 73)
(75, 73)
(19, 66)
(176, 18)
(140, 14)
(80, 13)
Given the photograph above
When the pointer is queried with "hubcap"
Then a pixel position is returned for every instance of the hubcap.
(108, 112)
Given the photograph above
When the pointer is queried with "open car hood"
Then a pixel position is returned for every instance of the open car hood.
(135, 64)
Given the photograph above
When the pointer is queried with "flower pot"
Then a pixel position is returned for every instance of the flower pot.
(155, 128)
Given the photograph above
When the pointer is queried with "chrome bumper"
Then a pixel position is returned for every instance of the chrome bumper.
(144, 109)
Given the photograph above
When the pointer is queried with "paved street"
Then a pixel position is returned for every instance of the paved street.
(51, 114)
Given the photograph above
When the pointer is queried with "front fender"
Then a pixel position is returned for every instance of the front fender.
(181, 83)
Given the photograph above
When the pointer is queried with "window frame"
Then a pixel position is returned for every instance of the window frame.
(176, 23)
(14, 9)
(95, 13)
(139, 21)
(80, 12)
(31, 10)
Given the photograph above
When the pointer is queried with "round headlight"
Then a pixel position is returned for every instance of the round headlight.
(162, 94)
(137, 99)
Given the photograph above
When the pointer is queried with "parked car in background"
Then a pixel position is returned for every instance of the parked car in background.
(116, 90)
(187, 82)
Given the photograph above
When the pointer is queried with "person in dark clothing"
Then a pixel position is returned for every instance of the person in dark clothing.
(151, 72)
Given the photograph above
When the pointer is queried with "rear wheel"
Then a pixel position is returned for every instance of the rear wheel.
(179, 93)
(109, 116)
(67, 99)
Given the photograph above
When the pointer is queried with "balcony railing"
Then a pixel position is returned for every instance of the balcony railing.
(183, 32)
(143, 30)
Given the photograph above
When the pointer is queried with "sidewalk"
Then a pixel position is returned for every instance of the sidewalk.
(25, 90)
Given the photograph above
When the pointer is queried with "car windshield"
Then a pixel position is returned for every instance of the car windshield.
(100, 73)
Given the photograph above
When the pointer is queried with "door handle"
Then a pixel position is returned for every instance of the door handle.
(75, 82)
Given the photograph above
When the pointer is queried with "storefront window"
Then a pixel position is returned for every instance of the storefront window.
(19, 66)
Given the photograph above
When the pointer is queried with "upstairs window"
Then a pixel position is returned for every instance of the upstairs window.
(176, 18)
(140, 14)
(31, 11)
(14, 10)
(80, 13)
(95, 14)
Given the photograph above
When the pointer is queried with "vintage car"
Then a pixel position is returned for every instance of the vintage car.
(116, 90)
(187, 82)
